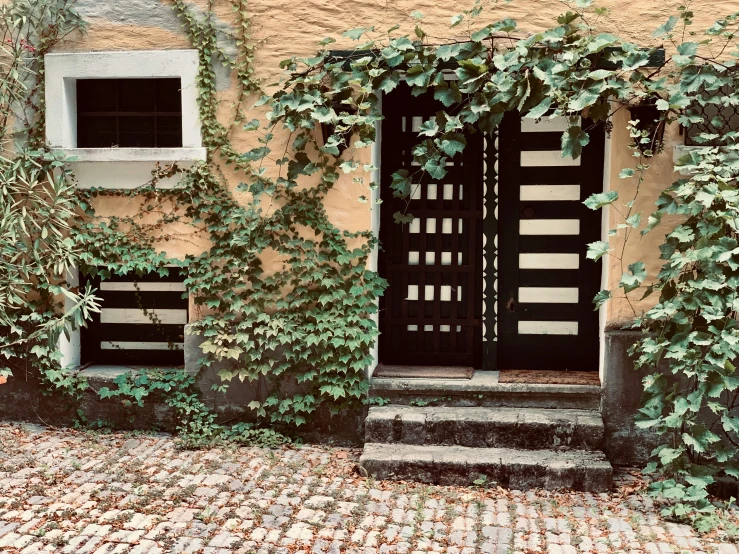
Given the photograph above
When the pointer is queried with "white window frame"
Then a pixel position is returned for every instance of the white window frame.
(62, 72)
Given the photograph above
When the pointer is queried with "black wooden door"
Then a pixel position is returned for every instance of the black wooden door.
(546, 285)
(431, 313)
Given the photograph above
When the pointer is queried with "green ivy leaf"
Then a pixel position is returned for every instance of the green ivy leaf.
(540, 109)
(666, 27)
(356, 34)
(600, 199)
(634, 277)
(596, 250)
(573, 141)
(601, 298)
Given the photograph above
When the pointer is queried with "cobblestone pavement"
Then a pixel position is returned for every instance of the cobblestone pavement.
(75, 492)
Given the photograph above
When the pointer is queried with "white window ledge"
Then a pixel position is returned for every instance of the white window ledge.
(681, 150)
(120, 168)
(167, 155)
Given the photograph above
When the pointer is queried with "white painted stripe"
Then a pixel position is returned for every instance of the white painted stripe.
(547, 327)
(134, 315)
(544, 125)
(124, 345)
(429, 294)
(546, 158)
(550, 192)
(548, 295)
(416, 122)
(549, 227)
(548, 261)
(144, 287)
(446, 258)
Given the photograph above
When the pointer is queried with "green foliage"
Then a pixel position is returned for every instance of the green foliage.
(301, 335)
(572, 70)
(196, 424)
(37, 203)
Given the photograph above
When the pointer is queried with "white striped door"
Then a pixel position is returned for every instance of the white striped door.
(545, 284)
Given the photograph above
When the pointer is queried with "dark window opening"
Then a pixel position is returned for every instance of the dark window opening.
(129, 113)
(141, 322)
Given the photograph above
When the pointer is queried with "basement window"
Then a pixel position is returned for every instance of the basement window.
(141, 322)
(129, 113)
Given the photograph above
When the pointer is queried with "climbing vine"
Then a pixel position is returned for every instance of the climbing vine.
(300, 334)
(690, 339)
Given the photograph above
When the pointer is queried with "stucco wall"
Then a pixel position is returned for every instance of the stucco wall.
(285, 28)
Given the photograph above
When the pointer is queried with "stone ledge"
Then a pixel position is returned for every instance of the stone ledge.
(516, 469)
(492, 427)
(485, 390)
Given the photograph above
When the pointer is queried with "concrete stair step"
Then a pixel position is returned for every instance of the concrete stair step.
(533, 429)
(485, 390)
(512, 468)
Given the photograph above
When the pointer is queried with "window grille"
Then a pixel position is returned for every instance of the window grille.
(142, 320)
(715, 118)
(129, 113)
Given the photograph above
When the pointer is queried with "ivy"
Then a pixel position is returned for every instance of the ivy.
(572, 71)
(301, 333)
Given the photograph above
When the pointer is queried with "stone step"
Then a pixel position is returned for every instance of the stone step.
(533, 429)
(511, 468)
(485, 390)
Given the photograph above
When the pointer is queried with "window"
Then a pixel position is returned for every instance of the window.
(141, 322)
(119, 113)
(717, 119)
(129, 113)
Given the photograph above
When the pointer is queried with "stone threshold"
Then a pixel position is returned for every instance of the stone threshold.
(481, 382)
(484, 389)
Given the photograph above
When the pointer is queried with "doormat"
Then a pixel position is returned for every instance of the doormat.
(535, 377)
(422, 372)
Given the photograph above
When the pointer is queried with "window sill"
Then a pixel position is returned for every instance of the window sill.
(134, 154)
(681, 150)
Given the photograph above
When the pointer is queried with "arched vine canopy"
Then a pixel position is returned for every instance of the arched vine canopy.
(304, 333)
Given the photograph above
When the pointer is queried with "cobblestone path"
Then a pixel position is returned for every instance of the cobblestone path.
(75, 492)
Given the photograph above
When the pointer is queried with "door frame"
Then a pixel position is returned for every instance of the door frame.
(490, 228)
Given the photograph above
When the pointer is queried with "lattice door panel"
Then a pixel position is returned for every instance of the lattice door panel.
(431, 313)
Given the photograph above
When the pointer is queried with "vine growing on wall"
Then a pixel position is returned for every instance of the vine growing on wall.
(300, 335)
(690, 339)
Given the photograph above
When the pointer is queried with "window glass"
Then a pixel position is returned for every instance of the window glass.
(129, 113)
